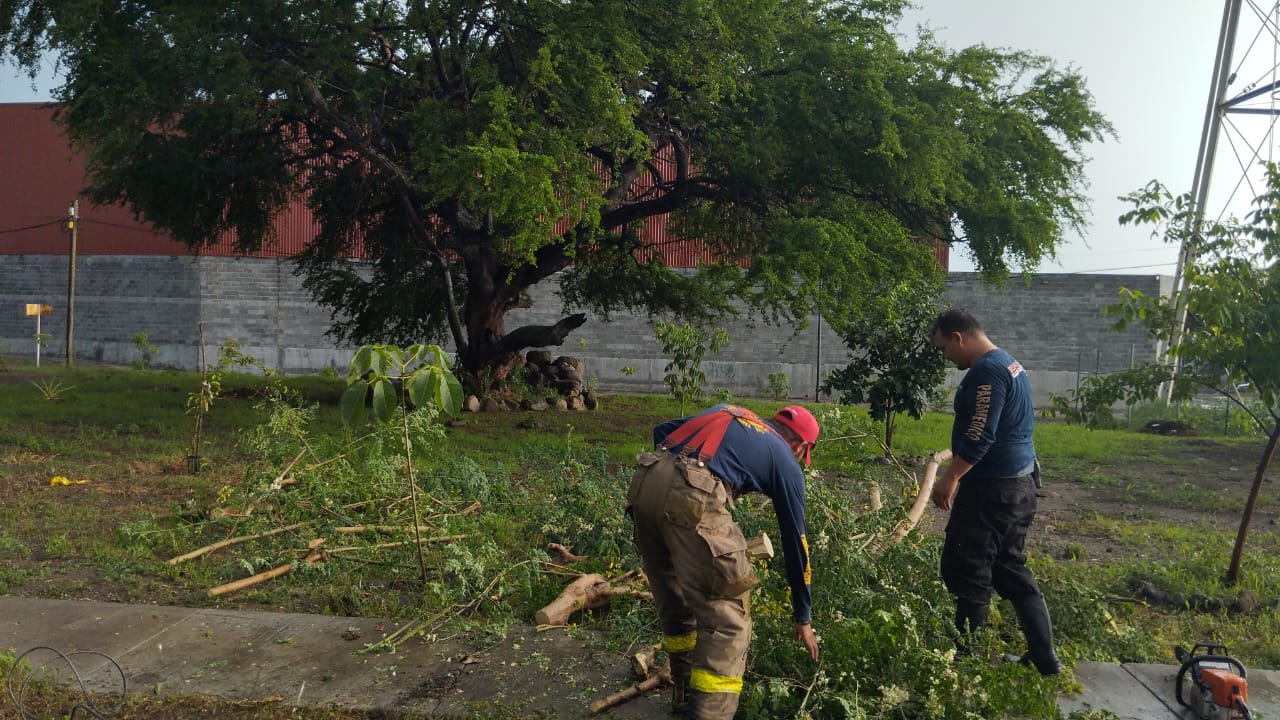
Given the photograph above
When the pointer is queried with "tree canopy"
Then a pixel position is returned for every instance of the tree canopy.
(476, 148)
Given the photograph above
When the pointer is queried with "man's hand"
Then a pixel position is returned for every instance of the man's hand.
(945, 490)
(804, 635)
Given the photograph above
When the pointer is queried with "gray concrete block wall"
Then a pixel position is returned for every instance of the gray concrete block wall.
(1054, 324)
(262, 305)
(116, 298)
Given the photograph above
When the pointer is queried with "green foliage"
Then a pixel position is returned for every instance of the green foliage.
(687, 345)
(524, 138)
(1092, 403)
(777, 386)
(895, 366)
(42, 339)
(422, 370)
(146, 351)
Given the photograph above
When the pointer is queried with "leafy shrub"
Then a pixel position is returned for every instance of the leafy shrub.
(777, 386)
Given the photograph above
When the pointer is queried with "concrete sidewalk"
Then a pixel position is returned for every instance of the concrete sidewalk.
(311, 660)
(1139, 691)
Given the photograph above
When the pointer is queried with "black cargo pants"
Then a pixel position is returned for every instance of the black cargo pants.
(986, 538)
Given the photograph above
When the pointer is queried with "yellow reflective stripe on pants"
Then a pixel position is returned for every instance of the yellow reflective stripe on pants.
(707, 682)
(680, 643)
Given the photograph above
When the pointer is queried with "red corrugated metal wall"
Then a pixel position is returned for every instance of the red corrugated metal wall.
(41, 177)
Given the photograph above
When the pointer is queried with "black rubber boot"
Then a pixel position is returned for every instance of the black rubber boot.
(970, 618)
(681, 668)
(1033, 616)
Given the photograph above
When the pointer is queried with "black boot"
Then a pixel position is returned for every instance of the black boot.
(1033, 616)
(681, 668)
(970, 618)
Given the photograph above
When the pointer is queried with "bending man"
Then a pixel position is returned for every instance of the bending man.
(694, 554)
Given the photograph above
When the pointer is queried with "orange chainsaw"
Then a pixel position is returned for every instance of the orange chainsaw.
(1218, 690)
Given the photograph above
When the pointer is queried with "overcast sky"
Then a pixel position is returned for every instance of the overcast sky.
(1148, 64)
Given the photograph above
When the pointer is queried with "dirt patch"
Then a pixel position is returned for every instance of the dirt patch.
(1201, 482)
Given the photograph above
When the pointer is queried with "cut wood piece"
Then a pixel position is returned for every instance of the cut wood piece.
(588, 592)
(644, 662)
(660, 679)
(760, 547)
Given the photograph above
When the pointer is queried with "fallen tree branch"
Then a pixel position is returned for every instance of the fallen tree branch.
(379, 546)
(588, 592)
(316, 555)
(232, 541)
(660, 679)
(356, 529)
(917, 507)
(281, 480)
(565, 556)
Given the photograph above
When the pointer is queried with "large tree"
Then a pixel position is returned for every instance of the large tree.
(478, 147)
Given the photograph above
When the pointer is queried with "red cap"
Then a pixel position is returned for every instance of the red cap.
(801, 422)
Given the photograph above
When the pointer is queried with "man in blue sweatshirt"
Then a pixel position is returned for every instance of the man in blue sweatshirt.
(989, 488)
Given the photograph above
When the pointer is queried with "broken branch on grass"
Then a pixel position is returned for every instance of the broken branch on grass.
(354, 529)
(232, 541)
(660, 679)
(379, 546)
(565, 556)
(314, 556)
(284, 478)
(589, 592)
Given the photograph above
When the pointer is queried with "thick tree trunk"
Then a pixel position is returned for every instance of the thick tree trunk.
(491, 352)
(1233, 572)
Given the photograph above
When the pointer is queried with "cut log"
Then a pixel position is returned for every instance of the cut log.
(588, 592)
(660, 679)
(644, 662)
(759, 547)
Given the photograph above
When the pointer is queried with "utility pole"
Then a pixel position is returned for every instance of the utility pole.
(74, 213)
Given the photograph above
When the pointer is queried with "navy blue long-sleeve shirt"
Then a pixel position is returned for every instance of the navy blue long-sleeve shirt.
(995, 418)
(754, 458)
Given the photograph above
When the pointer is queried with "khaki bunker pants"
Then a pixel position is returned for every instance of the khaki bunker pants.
(695, 557)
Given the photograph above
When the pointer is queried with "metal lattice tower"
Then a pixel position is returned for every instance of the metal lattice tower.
(1243, 107)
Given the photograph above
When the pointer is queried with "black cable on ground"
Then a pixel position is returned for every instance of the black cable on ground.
(25, 670)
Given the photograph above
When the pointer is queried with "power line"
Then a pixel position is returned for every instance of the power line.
(1074, 272)
(32, 227)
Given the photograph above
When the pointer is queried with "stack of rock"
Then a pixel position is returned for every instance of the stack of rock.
(555, 384)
